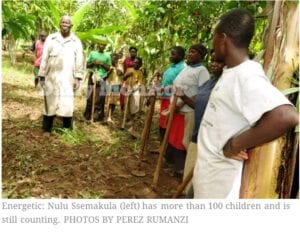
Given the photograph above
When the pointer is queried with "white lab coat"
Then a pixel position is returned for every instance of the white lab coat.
(62, 62)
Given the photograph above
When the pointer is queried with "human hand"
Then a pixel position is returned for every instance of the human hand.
(76, 84)
(42, 82)
(123, 90)
(129, 74)
(129, 91)
(179, 92)
(158, 90)
(98, 63)
(242, 155)
(152, 92)
(168, 89)
(231, 152)
(119, 72)
(140, 87)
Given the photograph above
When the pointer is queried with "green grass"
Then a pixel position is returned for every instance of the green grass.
(71, 137)
(22, 67)
(18, 75)
(118, 142)
(113, 147)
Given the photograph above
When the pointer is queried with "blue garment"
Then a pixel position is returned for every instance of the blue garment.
(170, 74)
(201, 102)
(195, 65)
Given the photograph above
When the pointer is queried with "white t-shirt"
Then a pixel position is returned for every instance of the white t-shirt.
(239, 99)
(189, 79)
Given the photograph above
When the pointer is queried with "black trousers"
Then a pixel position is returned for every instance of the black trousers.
(175, 157)
(48, 123)
(162, 132)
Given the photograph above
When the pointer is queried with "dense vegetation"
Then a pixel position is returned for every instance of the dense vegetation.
(152, 26)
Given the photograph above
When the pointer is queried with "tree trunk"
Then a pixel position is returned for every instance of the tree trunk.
(290, 184)
(12, 49)
(265, 173)
(270, 44)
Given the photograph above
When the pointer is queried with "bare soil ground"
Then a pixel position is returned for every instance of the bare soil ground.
(92, 161)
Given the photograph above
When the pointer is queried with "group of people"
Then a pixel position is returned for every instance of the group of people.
(221, 111)
(114, 81)
(236, 110)
(59, 58)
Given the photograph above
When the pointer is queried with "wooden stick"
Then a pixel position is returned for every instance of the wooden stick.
(94, 95)
(184, 183)
(45, 100)
(126, 110)
(146, 130)
(108, 103)
(164, 144)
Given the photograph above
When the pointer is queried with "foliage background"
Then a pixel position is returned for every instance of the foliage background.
(153, 26)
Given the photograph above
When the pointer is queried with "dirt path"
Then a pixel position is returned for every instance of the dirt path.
(92, 161)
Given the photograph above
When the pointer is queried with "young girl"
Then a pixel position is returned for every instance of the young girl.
(189, 79)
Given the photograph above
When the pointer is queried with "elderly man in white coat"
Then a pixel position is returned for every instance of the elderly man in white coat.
(60, 73)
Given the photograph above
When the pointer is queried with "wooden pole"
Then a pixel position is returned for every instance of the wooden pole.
(164, 144)
(146, 130)
(184, 183)
(45, 99)
(94, 95)
(126, 110)
(108, 103)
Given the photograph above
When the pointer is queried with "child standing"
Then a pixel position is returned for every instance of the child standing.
(134, 82)
(244, 111)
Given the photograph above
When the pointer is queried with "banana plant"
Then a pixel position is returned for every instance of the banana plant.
(294, 90)
(270, 170)
(15, 26)
(99, 34)
(79, 15)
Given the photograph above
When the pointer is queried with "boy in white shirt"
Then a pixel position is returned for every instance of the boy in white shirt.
(244, 111)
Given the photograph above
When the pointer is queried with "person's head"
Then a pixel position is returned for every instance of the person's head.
(133, 52)
(101, 47)
(137, 63)
(216, 67)
(235, 29)
(196, 53)
(157, 73)
(65, 25)
(177, 54)
(120, 54)
(43, 36)
(114, 58)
